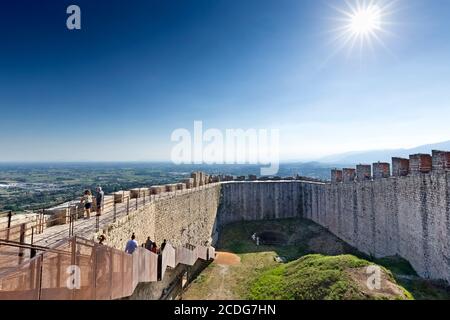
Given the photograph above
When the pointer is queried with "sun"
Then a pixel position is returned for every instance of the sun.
(362, 24)
(366, 21)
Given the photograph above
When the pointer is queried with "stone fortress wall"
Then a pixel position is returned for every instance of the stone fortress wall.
(187, 216)
(406, 213)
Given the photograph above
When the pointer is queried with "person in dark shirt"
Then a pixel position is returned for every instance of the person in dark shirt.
(163, 245)
(101, 239)
(148, 244)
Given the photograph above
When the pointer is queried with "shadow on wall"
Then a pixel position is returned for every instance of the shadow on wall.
(288, 238)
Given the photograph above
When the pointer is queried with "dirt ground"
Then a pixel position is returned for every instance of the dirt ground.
(239, 261)
(226, 259)
(386, 287)
(228, 277)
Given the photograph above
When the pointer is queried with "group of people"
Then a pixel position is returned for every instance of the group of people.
(87, 199)
(132, 245)
(153, 247)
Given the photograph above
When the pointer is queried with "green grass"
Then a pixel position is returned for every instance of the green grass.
(310, 272)
(313, 277)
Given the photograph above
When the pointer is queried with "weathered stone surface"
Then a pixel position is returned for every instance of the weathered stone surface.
(407, 216)
(181, 218)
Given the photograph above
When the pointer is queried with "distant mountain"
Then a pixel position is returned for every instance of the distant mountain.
(382, 155)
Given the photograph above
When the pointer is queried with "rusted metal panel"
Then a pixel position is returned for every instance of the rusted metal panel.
(23, 283)
(202, 252)
(117, 274)
(135, 270)
(79, 269)
(103, 275)
(186, 256)
(128, 284)
(58, 279)
(85, 260)
(168, 258)
(212, 253)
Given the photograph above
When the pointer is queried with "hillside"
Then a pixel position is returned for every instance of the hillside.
(318, 277)
(318, 266)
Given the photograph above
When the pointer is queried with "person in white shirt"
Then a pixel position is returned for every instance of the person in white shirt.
(87, 200)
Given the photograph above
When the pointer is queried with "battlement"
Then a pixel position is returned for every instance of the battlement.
(336, 175)
(381, 170)
(348, 175)
(441, 160)
(400, 167)
(363, 172)
(420, 163)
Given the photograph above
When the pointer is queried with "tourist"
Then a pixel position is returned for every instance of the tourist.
(154, 248)
(99, 200)
(131, 245)
(87, 201)
(148, 244)
(101, 239)
(163, 245)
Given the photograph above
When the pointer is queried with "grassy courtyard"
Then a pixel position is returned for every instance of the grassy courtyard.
(316, 265)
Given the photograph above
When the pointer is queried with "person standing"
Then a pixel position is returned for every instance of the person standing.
(101, 239)
(155, 248)
(99, 200)
(87, 201)
(131, 245)
(148, 244)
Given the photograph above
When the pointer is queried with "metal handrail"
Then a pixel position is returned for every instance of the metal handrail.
(142, 266)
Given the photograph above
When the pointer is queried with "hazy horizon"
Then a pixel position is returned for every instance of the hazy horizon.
(282, 161)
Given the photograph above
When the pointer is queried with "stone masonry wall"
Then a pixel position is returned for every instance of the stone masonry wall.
(405, 216)
(188, 217)
(247, 201)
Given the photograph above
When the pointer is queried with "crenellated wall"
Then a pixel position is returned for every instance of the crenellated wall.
(407, 214)
(188, 217)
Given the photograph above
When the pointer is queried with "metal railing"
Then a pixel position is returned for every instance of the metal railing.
(47, 230)
(79, 269)
(20, 243)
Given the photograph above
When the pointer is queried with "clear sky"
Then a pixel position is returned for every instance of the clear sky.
(137, 70)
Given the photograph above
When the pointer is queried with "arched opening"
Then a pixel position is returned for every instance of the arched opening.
(272, 238)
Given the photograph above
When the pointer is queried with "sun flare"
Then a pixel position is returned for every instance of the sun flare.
(366, 20)
(362, 24)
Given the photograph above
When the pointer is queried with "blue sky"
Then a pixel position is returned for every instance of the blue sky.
(137, 70)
